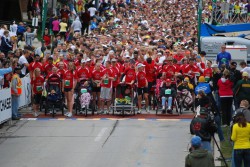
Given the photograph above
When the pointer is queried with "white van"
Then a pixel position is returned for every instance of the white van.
(238, 47)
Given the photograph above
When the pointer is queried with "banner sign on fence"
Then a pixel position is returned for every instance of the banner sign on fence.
(5, 105)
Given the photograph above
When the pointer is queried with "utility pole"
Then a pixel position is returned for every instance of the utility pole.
(96, 4)
(199, 24)
(44, 18)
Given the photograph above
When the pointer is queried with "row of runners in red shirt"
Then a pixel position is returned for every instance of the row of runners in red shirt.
(87, 70)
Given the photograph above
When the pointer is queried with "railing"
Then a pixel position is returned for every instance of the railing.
(228, 17)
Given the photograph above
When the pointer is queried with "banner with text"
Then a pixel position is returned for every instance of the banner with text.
(5, 105)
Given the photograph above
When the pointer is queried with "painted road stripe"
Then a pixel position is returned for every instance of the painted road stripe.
(100, 134)
(103, 119)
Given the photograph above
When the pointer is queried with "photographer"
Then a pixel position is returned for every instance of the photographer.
(203, 126)
(208, 102)
(198, 157)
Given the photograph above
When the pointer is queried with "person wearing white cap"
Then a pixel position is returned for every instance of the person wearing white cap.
(110, 56)
(82, 72)
(142, 86)
(245, 68)
(88, 63)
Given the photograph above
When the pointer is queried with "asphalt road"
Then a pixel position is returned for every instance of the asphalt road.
(95, 143)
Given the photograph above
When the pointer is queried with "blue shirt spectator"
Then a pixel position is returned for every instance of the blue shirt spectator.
(223, 57)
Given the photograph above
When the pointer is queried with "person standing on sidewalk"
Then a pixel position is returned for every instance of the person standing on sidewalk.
(225, 86)
(240, 136)
(16, 91)
(198, 157)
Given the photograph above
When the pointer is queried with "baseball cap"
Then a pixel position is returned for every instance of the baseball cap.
(140, 65)
(113, 60)
(186, 79)
(203, 53)
(214, 66)
(195, 52)
(127, 56)
(111, 51)
(198, 57)
(245, 74)
(168, 80)
(196, 141)
(233, 63)
(201, 79)
(83, 61)
(88, 59)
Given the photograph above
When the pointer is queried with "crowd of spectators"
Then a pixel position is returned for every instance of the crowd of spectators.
(142, 40)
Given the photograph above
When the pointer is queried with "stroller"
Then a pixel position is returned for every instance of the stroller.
(55, 98)
(124, 99)
(83, 99)
(185, 100)
(161, 92)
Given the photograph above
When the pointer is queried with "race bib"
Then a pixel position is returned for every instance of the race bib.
(84, 91)
(67, 82)
(106, 81)
(207, 78)
(168, 92)
(39, 88)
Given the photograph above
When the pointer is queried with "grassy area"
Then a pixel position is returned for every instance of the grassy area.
(226, 146)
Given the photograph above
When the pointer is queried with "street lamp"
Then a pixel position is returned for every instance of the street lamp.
(199, 24)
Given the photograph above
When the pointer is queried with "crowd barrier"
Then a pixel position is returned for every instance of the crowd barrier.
(5, 105)
(25, 98)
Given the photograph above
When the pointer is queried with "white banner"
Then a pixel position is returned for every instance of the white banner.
(5, 105)
(25, 98)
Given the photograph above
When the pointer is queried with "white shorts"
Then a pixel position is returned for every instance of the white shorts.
(106, 94)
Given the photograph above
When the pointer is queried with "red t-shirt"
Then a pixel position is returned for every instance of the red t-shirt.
(109, 73)
(83, 73)
(48, 68)
(182, 67)
(97, 75)
(116, 76)
(35, 65)
(208, 72)
(178, 57)
(54, 77)
(150, 71)
(65, 65)
(77, 62)
(169, 70)
(61, 73)
(37, 84)
(191, 68)
(130, 75)
(68, 78)
(46, 39)
(141, 79)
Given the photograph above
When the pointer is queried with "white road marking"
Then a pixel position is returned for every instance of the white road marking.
(100, 134)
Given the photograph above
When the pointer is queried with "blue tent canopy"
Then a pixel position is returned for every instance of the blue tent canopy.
(210, 30)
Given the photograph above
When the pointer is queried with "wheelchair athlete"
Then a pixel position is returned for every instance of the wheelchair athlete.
(167, 93)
